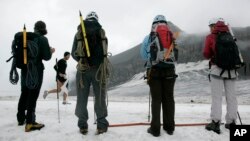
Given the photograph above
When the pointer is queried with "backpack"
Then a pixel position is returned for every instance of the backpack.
(93, 33)
(160, 40)
(156, 51)
(165, 35)
(227, 55)
(31, 80)
(18, 49)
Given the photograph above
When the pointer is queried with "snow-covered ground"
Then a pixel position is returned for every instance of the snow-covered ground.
(128, 103)
(119, 112)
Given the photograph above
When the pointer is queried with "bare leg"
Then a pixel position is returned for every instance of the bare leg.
(60, 84)
(65, 95)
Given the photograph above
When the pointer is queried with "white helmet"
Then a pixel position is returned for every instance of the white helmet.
(159, 18)
(215, 20)
(92, 14)
(221, 20)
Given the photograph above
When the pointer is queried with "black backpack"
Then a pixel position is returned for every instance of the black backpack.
(93, 32)
(227, 55)
(18, 50)
(31, 80)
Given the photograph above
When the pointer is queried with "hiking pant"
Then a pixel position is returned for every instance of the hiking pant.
(81, 111)
(217, 85)
(28, 99)
(161, 83)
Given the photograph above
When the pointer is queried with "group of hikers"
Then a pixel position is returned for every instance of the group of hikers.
(90, 51)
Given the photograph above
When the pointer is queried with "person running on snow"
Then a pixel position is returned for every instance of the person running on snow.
(161, 78)
(87, 73)
(218, 81)
(61, 78)
(28, 98)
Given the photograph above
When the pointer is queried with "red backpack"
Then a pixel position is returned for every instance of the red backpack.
(165, 35)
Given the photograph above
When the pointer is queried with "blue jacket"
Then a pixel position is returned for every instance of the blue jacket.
(145, 49)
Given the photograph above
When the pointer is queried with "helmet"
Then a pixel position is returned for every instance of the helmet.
(92, 14)
(221, 20)
(159, 18)
(215, 20)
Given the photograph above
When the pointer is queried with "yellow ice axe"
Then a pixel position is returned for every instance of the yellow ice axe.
(84, 35)
(24, 45)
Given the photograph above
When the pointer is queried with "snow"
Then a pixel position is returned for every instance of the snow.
(119, 112)
(128, 103)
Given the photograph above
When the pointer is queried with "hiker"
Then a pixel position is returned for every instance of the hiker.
(88, 72)
(61, 78)
(28, 98)
(219, 77)
(160, 74)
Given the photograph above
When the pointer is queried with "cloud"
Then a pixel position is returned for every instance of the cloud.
(126, 22)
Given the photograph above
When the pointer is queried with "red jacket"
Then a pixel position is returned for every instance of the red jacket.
(209, 50)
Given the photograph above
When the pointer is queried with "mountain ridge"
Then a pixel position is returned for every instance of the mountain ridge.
(128, 63)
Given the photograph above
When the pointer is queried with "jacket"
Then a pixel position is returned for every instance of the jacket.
(209, 51)
(144, 51)
(44, 50)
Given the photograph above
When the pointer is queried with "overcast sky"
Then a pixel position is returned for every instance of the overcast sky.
(126, 21)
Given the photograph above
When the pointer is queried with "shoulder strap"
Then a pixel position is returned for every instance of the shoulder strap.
(104, 42)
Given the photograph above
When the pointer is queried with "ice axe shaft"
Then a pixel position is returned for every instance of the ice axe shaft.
(84, 35)
(24, 45)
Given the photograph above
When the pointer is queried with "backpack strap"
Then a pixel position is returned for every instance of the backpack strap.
(9, 58)
(210, 64)
(160, 42)
(104, 42)
(228, 71)
(222, 72)
(229, 74)
(245, 70)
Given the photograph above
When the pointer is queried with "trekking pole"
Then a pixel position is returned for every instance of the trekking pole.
(249, 67)
(149, 102)
(57, 91)
(94, 108)
(239, 117)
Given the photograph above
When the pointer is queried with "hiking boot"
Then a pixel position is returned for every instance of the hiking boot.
(153, 133)
(228, 125)
(65, 102)
(33, 126)
(214, 126)
(101, 131)
(45, 94)
(170, 132)
(84, 131)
